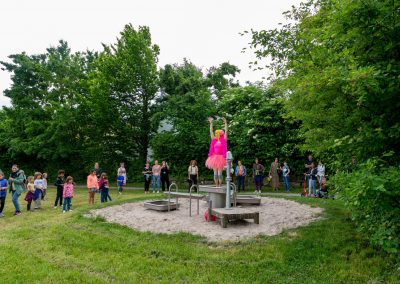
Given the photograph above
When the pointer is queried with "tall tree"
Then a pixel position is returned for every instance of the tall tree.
(123, 88)
(40, 129)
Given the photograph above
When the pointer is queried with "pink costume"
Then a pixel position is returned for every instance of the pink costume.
(217, 155)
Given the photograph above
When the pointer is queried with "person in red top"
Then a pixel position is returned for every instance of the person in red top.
(68, 193)
(92, 185)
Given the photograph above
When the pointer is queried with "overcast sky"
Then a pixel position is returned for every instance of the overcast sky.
(206, 32)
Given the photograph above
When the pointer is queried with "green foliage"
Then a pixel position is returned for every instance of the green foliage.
(258, 127)
(182, 113)
(338, 61)
(40, 129)
(123, 87)
(373, 195)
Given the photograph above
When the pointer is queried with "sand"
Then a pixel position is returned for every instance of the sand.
(276, 214)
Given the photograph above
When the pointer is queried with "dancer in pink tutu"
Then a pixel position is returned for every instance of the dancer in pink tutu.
(217, 154)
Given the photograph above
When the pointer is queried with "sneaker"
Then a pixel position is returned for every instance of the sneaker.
(70, 210)
(64, 211)
(55, 207)
(154, 191)
(255, 191)
(17, 213)
(1, 215)
(158, 191)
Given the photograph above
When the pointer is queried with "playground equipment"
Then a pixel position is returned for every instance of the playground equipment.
(161, 205)
(189, 195)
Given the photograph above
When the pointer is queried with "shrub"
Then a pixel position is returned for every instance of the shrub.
(372, 192)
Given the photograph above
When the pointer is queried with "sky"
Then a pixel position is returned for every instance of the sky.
(205, 32)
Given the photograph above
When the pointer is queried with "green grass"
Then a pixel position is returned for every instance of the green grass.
(51, 247)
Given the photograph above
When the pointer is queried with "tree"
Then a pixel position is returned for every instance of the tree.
(338, 62)
(184, 106)
(258, 126)
(39, 130)
(123, 88)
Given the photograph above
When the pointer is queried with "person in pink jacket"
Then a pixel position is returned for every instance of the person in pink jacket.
(68, 193)
(92, 185)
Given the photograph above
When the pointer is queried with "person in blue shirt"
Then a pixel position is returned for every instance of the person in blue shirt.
(3, 192)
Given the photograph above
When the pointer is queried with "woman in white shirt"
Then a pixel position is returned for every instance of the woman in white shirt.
(320, 173)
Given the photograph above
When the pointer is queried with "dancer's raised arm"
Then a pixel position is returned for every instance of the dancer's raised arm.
(210, 119)
(226, 128)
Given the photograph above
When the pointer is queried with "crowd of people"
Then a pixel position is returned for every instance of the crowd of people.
(35, 188)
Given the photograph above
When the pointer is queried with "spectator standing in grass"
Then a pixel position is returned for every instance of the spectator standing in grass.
(312, 181)
(44, 178)
(92, 185)
(164, 175)
(240, 173)
(258, 173)
(30, 195)
(17, 186)
(147, 177)
(38, 190)
(320, 173)
(156, 171)
(121, 177)
(3, 192)
(59, 183)
(98, 170)
(104, 187)
(68, 194)
(286, 175)
(273, 173)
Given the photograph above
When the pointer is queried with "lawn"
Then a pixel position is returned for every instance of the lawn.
(48, 246)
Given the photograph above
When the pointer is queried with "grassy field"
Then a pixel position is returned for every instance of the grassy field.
(48, 246)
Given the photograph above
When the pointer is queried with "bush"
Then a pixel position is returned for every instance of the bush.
(372, 192)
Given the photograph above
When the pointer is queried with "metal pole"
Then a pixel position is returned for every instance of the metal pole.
(229, 159)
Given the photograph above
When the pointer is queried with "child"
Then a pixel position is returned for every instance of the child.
(44, 178)
(321, 173)
(103, 185)
(3, 192)
(120, 182)
(121, 175)
(60, 187)
(92, 185)
(31, 192)
(68, 193)
(38, 190)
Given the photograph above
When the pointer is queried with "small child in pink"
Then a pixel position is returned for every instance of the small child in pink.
(68, 193)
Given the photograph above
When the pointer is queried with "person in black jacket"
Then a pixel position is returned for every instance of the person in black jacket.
(164, 175)
(60, 186)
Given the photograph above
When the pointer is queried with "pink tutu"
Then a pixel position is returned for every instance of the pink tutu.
(216, 162)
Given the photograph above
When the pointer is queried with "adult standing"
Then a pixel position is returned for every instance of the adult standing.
(258, 173)
(286, 175)
(164, 175)
(156, 171)
(193, 173)
(273, 173)
(98, 170)
(17, 184)
(121, 177)
(240, 173)
(147, 177)
(307, 169)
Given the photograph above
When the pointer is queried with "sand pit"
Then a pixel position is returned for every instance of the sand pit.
(276, 214)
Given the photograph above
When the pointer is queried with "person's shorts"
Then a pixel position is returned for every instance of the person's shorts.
(93, 189)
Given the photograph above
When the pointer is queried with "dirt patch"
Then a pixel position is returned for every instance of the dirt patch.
(276, 214)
